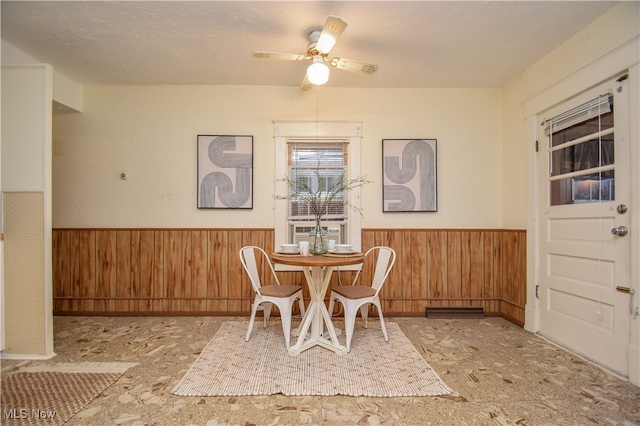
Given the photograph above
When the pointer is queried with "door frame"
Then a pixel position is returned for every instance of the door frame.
(604, 68)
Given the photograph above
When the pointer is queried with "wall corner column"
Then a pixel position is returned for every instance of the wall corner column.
(26, 183)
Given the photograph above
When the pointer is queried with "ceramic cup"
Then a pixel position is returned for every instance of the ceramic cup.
(331, 245)
(304, 248)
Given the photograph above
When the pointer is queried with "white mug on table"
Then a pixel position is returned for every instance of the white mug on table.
(304, 248)
(331, 245)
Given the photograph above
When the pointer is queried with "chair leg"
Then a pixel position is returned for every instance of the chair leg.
(332, 301)
(285, 316)
(382, 326)
(302, 311)
(266, 307)
(349, 324)
(364, 311)
(254, 308)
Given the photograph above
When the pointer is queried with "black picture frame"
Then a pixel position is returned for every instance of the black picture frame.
(225, 172)
(409, 175)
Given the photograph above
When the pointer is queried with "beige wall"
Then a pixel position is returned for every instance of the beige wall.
(150, 132)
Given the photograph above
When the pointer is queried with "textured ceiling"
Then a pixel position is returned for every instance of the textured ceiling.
(415, 43)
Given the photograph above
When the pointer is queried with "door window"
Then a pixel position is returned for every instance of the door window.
(581, 154)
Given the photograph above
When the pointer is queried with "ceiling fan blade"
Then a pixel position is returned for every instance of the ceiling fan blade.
(306, 85)
(333, 28)
(356, 66)
(283, 56)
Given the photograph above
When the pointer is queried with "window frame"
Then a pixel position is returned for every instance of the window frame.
(321, 131)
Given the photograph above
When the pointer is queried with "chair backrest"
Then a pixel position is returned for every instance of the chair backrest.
(250, 264)
(384, 262)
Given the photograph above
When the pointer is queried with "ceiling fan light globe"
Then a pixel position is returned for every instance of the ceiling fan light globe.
(318, 73)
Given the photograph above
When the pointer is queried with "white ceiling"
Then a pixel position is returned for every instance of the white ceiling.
(414, 43)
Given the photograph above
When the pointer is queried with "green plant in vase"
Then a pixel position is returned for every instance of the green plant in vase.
(322, 192)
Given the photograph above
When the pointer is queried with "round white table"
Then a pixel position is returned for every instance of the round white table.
(317, 271)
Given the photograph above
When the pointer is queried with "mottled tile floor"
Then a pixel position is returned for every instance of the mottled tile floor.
(500, 374)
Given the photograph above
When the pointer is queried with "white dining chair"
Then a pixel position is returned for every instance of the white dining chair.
(283, 296)
(358, 297)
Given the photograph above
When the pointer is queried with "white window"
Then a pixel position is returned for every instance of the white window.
(318, 166)
(581, 153)
(318, 153)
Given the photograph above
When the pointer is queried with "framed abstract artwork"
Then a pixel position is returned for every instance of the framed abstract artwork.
(409, 178)
(225, 172)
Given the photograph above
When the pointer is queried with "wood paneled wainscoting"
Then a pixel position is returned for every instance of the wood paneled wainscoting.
(198, 271)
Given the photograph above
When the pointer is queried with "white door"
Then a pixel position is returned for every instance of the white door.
(584, 165)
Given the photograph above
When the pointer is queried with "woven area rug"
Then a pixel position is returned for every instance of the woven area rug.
(229, 366)
(52, 394)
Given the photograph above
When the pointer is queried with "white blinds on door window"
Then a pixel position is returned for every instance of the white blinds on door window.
(584, 112)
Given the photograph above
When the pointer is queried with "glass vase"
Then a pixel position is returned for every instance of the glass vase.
(318, 239)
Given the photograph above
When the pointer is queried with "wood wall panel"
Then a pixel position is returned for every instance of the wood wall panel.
(476, 266)
(453, 282)
(157, 275)
(85, 262)
(198, 271)
(436, 266)
(62, 282)
(123, 270)
(147, 243)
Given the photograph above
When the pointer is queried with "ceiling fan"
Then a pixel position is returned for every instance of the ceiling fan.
(320, 43)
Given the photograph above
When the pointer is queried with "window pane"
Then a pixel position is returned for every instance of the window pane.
(317, 169)
(583, 156)
(583, 189)
(585, 128)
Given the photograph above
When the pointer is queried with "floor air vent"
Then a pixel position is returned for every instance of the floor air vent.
(455, 312)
